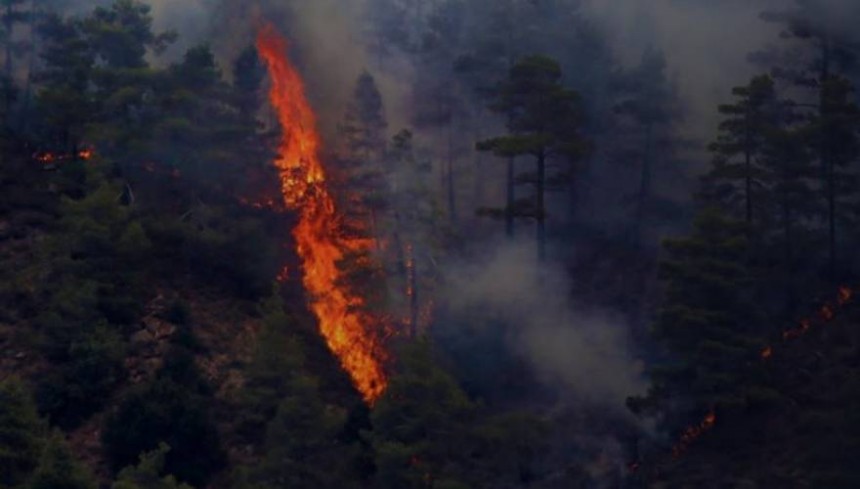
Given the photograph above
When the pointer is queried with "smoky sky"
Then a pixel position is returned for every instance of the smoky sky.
(582, 351)
(705, 42)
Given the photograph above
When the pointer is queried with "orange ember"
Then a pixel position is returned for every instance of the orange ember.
(320, 240)
(827, 313)
(845, 295)
(693, 433)
(48, 158)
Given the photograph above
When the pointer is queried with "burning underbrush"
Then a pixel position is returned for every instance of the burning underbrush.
(321, 241)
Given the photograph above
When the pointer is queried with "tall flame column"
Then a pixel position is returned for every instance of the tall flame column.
(319, 238)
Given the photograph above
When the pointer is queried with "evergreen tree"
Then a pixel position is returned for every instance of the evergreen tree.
(825, 50)
(277, 357)
(121, 34)
(64, 95)
(544, 123)
(421, 426)
(12, 13)
(416, 236)
(248, 76)
(823, 54)
(148, 474)
(246, 139)
(789, 176)
(58, 468)
(646, 109)
(363, 140)
(837, 130)
(707, 325)
(302, 447)
(21, 433)
(174, 409)
(743, 134)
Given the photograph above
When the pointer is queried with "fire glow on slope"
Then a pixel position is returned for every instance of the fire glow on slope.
(320, 240)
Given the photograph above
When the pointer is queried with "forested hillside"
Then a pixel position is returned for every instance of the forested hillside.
(394, 244)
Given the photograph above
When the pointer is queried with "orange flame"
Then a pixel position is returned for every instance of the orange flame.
(319, 235)
(48, 158)
(845, 295)
(693, 433)
(826, 314)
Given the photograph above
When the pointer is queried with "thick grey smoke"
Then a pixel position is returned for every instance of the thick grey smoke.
(583, 352)
(189, 18)
(705, 43)
(326, 39)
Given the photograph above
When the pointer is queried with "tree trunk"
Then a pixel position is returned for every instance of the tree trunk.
(541, 205)
(451, 178)
(827, 164)
(831, 214)
(412, 290)
(511, 198)
(9, 25)
(788, 258)
(644, 186)
(748, 181)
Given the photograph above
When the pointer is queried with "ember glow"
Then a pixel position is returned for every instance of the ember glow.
(693, 433)
(320, 239)
(49, 158)
(826, 314)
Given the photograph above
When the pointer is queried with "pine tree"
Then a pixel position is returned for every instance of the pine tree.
(837, 133)
(363, 140)
(302, 448)
(11, 14)
(416, 236)
(22, 432)
(789, 176)
(121, 34)
(58, 468)
(647, 110)
(148, 474)
(277, 357)
(822, 56)
(743, 133)
(544, 123)
(421, 426)
(64, 95)
(174, 409)
(707, 325)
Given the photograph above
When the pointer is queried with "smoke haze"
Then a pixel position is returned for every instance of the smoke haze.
(586, 354)
(706, 48)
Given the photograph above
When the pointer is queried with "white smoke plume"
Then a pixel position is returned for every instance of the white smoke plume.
(585, 353)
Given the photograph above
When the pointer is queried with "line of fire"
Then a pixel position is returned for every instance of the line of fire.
(826, 314)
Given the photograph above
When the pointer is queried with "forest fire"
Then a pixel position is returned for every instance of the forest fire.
(826, 314)
(693, 433)
(321, 243)
(50, 160)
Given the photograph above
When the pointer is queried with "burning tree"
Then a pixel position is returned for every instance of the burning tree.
(321, 242)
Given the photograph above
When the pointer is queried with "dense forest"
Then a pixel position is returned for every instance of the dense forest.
(443, 244)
